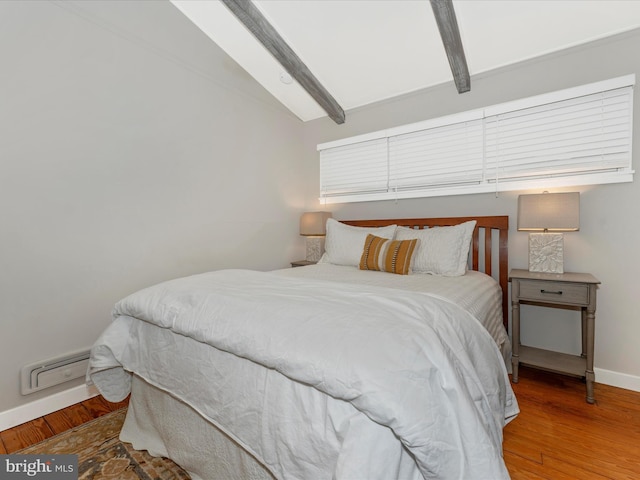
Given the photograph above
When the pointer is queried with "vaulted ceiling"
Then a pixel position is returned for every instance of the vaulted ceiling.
(364, 51)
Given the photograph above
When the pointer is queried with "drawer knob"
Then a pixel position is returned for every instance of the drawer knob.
(558, 292)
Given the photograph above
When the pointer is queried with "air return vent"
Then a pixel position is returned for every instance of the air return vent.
(53, 371)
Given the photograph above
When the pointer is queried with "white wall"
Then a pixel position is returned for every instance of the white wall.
(607, 243)
(132, 150)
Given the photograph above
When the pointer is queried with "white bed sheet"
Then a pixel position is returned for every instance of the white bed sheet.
(322, 424)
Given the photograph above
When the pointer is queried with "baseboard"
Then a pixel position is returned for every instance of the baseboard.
(44, 406)
(617, 379)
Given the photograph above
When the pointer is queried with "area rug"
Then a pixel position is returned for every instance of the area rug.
(101, 455)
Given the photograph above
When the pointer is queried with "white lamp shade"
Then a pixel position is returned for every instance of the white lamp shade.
(314, 223)
(550, 212)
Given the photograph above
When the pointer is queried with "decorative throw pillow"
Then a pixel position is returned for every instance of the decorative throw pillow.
(442, 250)
(393, 256)
(373, 246)
(343, 243)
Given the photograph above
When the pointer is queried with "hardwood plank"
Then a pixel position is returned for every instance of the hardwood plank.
(98, 406)
(26, 434)
(67, 418)
(523, 469)
(558, 435)
(574, 446)
(522, 445)
(54, 423)
(590, 466)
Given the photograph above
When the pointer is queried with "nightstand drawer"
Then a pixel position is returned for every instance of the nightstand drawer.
(554, 292)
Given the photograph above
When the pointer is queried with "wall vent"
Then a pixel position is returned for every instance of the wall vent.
(53, 371)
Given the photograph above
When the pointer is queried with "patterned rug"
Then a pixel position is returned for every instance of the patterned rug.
(101, 455)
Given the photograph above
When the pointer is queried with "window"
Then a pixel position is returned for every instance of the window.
(578, 136)
(342, 173)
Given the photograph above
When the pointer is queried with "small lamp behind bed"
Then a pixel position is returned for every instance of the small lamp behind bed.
(313, 226)
(549, 214)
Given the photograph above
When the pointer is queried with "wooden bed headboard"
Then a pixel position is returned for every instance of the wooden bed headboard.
(483, 259)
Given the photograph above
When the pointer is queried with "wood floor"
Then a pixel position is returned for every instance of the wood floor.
(557, 436)
(42, 428)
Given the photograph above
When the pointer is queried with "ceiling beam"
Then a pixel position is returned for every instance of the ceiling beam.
(259, 26)
(448, 26)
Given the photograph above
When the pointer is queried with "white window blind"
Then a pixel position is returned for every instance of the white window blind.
(440, 156)
(577, 136)
(590, 133)
(355, 168)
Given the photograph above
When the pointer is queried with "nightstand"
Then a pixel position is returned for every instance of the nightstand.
(561, 290)
(302, 263)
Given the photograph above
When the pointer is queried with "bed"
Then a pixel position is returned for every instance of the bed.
(331, 371)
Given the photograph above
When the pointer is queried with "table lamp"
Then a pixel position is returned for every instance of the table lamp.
(313, 226)
(548, 215)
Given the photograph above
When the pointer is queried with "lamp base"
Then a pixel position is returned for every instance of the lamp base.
(546, 252)
(315, 248)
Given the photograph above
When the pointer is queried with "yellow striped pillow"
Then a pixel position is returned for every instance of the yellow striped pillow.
(398, 256)
(393, 257)
(373, 247)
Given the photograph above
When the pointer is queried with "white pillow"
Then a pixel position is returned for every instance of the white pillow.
(441, 250)
(344, 243)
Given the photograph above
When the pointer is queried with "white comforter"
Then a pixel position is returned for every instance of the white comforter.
(474, 291)
(419, 365)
